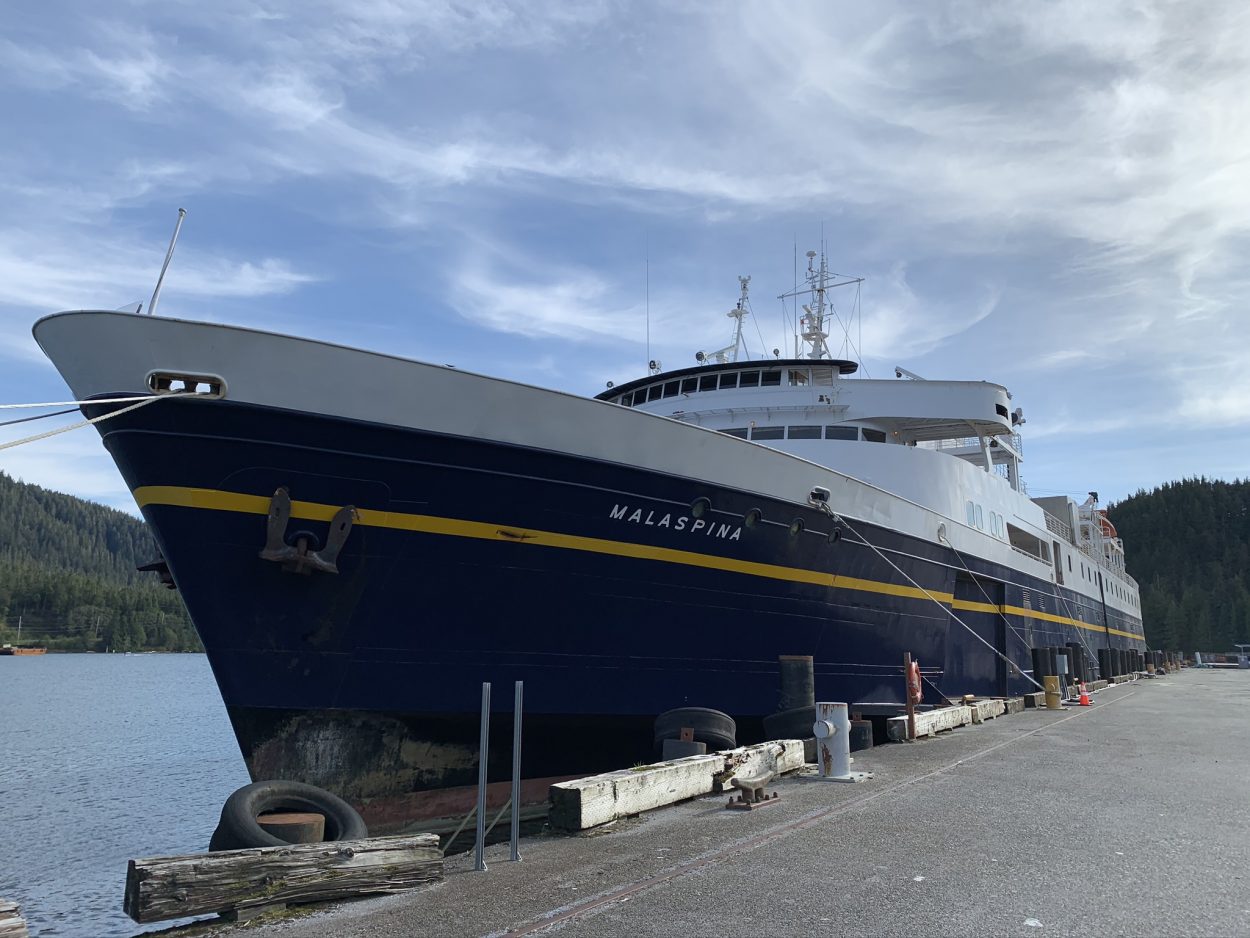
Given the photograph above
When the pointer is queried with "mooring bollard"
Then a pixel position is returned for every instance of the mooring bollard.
(1053, 701)
(832, 730)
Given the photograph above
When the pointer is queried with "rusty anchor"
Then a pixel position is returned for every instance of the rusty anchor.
(296, 557)
(752, 792)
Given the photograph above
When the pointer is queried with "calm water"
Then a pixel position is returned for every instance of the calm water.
(105, 758)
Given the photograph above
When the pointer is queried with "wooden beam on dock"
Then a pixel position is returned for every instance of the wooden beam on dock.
(12, 925)
(930, 722)
(588, 802)
(236, 881)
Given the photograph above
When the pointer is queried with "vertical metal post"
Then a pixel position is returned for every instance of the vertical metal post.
(483, 756)
(516, 770)
(911, 707)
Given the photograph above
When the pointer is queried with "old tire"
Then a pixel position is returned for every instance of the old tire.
(238, 828)
(718, 730)
(790, 724)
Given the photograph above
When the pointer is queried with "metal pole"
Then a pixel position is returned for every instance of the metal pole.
(911, 707)
(169, 255)
(516, 770)
(483, 753)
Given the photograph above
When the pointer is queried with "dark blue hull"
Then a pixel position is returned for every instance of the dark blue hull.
(594, 583)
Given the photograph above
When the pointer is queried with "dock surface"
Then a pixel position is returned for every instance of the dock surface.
(1125, 818)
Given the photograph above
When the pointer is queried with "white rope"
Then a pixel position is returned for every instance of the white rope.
(82, 423)
(1012, 666)
(101, 400)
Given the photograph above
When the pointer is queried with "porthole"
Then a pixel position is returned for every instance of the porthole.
(753, 517)
(796, 527)
(699, 506)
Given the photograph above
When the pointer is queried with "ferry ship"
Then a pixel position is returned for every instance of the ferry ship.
(361, 540)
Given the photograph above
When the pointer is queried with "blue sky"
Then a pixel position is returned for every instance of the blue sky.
(1051, 196)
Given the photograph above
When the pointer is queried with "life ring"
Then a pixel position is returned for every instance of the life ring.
(914, 690)
(238, 828)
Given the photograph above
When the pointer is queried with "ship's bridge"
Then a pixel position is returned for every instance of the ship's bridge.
(783, 393)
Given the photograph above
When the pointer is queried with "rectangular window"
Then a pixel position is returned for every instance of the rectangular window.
(980, 514)
(874, 436)
(689, 385)
(770, 379)
(707, 383)
(798, 378)
(750, 379)
(670, 389)
(627, 400)
(736, 431)
(767, 433)
(804, 433)
(841, 433)
(653, 392)
(729, 380)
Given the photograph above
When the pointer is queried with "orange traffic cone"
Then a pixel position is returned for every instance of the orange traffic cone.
(1084, 699)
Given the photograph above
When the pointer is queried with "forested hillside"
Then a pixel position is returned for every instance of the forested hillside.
(67, 570)
(1188, 546)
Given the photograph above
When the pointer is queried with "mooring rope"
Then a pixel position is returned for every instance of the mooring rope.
(1015, 631)
(83, 423)
(1011, 665)
(55, 413)
(98, 400)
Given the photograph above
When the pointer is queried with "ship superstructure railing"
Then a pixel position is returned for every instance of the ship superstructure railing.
(1055, 526)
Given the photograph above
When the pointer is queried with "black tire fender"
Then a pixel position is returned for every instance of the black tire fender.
(718, 730)
(790, 724)
(238, 828)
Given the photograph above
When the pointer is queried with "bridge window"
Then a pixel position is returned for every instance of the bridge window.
(804, 433)
(740, 432)
(671, 389)
(707, 383)
(653, 392)
(689, 385)
(841, 433)
(768, 433)
(729, 380)
(770, 379)
(750, 379)
(798, 378)
(874, 436)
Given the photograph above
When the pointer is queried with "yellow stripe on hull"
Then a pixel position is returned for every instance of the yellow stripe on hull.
(215, 500)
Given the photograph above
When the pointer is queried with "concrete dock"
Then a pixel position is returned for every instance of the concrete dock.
(1131, 817)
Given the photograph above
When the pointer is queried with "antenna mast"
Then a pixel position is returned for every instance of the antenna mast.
(812, 329)
(169, 255)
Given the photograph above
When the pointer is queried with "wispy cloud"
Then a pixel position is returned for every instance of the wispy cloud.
(1054, 196)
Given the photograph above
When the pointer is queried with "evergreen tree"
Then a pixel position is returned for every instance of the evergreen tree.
(1187, 544)
(67, 572)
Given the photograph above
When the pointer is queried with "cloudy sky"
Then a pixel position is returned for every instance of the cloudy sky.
(1053, 196)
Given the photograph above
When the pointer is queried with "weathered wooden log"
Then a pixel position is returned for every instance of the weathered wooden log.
(159, 888)
(983, 710)
(589, 802)
(929, 722)
(11, 923)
